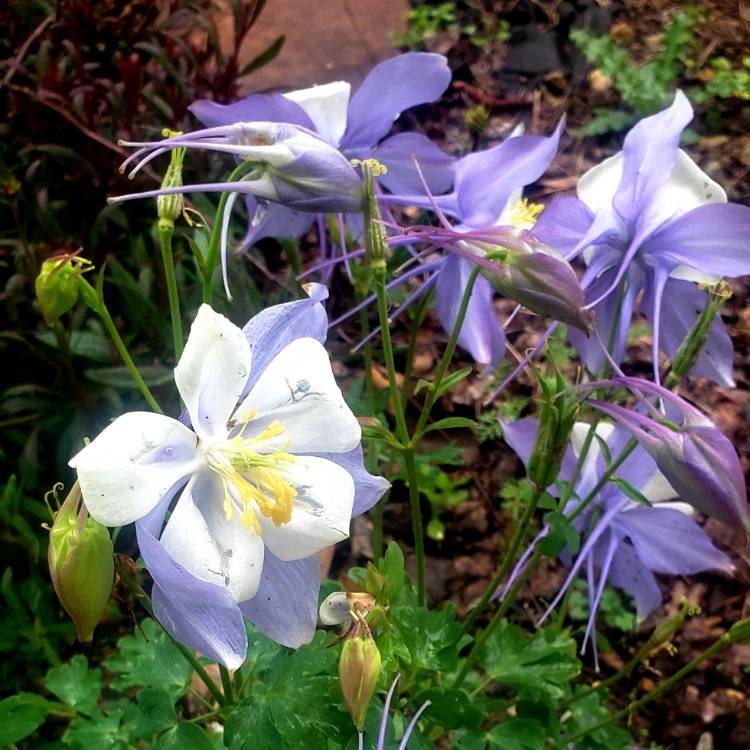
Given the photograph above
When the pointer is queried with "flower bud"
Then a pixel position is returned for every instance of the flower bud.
(169, 207)
(359, 668)
(698, 461)
(80, 563)
(558, 415)
(57, 286)
(740, 631)
(545, 283)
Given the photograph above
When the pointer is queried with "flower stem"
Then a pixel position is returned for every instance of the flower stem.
(724, 640)
(508, 560)
(96, 302)
(132, 583)
(212, 255)
(167, 255)
(450, 348)
(505, 605)
(226, 683)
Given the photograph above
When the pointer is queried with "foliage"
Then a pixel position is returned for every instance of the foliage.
(647, 87)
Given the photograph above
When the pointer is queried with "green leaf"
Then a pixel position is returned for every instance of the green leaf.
(517, 734)
(451, 423)
(543, 663)
(264, 57)
(392, 568)
(451, 709)
(588, 712)
(632, 492)
(149, 658)
(296, 702)
(120, 377)
(561, 533)
(20, 715)
(75, 684)
(430, 635)
(453, 379)
(184, 735)
(100, 731)
(156, 711)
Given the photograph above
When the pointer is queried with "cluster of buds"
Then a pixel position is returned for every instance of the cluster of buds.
(556, 420)
(80, 563)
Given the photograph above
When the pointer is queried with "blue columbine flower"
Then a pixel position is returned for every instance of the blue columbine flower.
(486, 192)
(355, 125)
(650, 219)
(625, 543)
(260, 487)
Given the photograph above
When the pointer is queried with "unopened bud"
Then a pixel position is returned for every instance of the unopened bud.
(57, 286)
(691, 348)
(558, 415)
(664, 631)
(374, 231)
(80, 563)
(359, 669)
(740, 631)
(169, 207)
(544, 282)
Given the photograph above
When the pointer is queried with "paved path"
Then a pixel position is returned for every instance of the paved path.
(326, 40)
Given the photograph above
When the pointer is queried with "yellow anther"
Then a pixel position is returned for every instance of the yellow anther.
(523, 214)
(373, 165)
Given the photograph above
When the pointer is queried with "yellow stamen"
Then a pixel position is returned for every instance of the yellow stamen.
(523, 214)
(257, 478)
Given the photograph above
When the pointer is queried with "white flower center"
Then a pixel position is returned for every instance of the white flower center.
(256, 473)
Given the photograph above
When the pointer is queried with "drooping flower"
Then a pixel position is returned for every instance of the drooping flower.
(623, 543)
(486, 194)
(695, 457)
(649, 221)
(354, 125)
(269, 472)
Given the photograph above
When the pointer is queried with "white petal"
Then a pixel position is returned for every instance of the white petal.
(685, 273)
(212, 371)
(199, 536)
(506, 216)
(598, 186)
(298, 389)
(326, 106)
(132, 464)
(335, 609)
(321, 513)
(658, 489)
(687, 188)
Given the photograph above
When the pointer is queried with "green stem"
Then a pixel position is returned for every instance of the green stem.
(212, 256)
(167, 255)
(445, 361)
(416, 519)
(416, 325)
(226, 683)
(505, 605)
(718, 645)
(132, 583)
(508, 560)
(101, 309)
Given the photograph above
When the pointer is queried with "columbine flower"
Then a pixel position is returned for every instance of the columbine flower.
(352, 124)
(270, 473)
(695, 457)
(625, 543)
(486, 193)
(648, 217)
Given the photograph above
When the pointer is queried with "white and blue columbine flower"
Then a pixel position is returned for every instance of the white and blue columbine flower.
(268, 473)
(648, 218)
(356, 125)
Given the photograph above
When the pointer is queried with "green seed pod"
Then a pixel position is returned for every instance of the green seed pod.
(359, 668)
(57, 287)
(80, 564)
(169, 207)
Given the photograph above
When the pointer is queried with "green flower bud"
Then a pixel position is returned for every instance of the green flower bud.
(80, 563)
(375, 241)
(57, 286)
(169, 207)
(556, 421)
(740, 631)
(359, 668)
